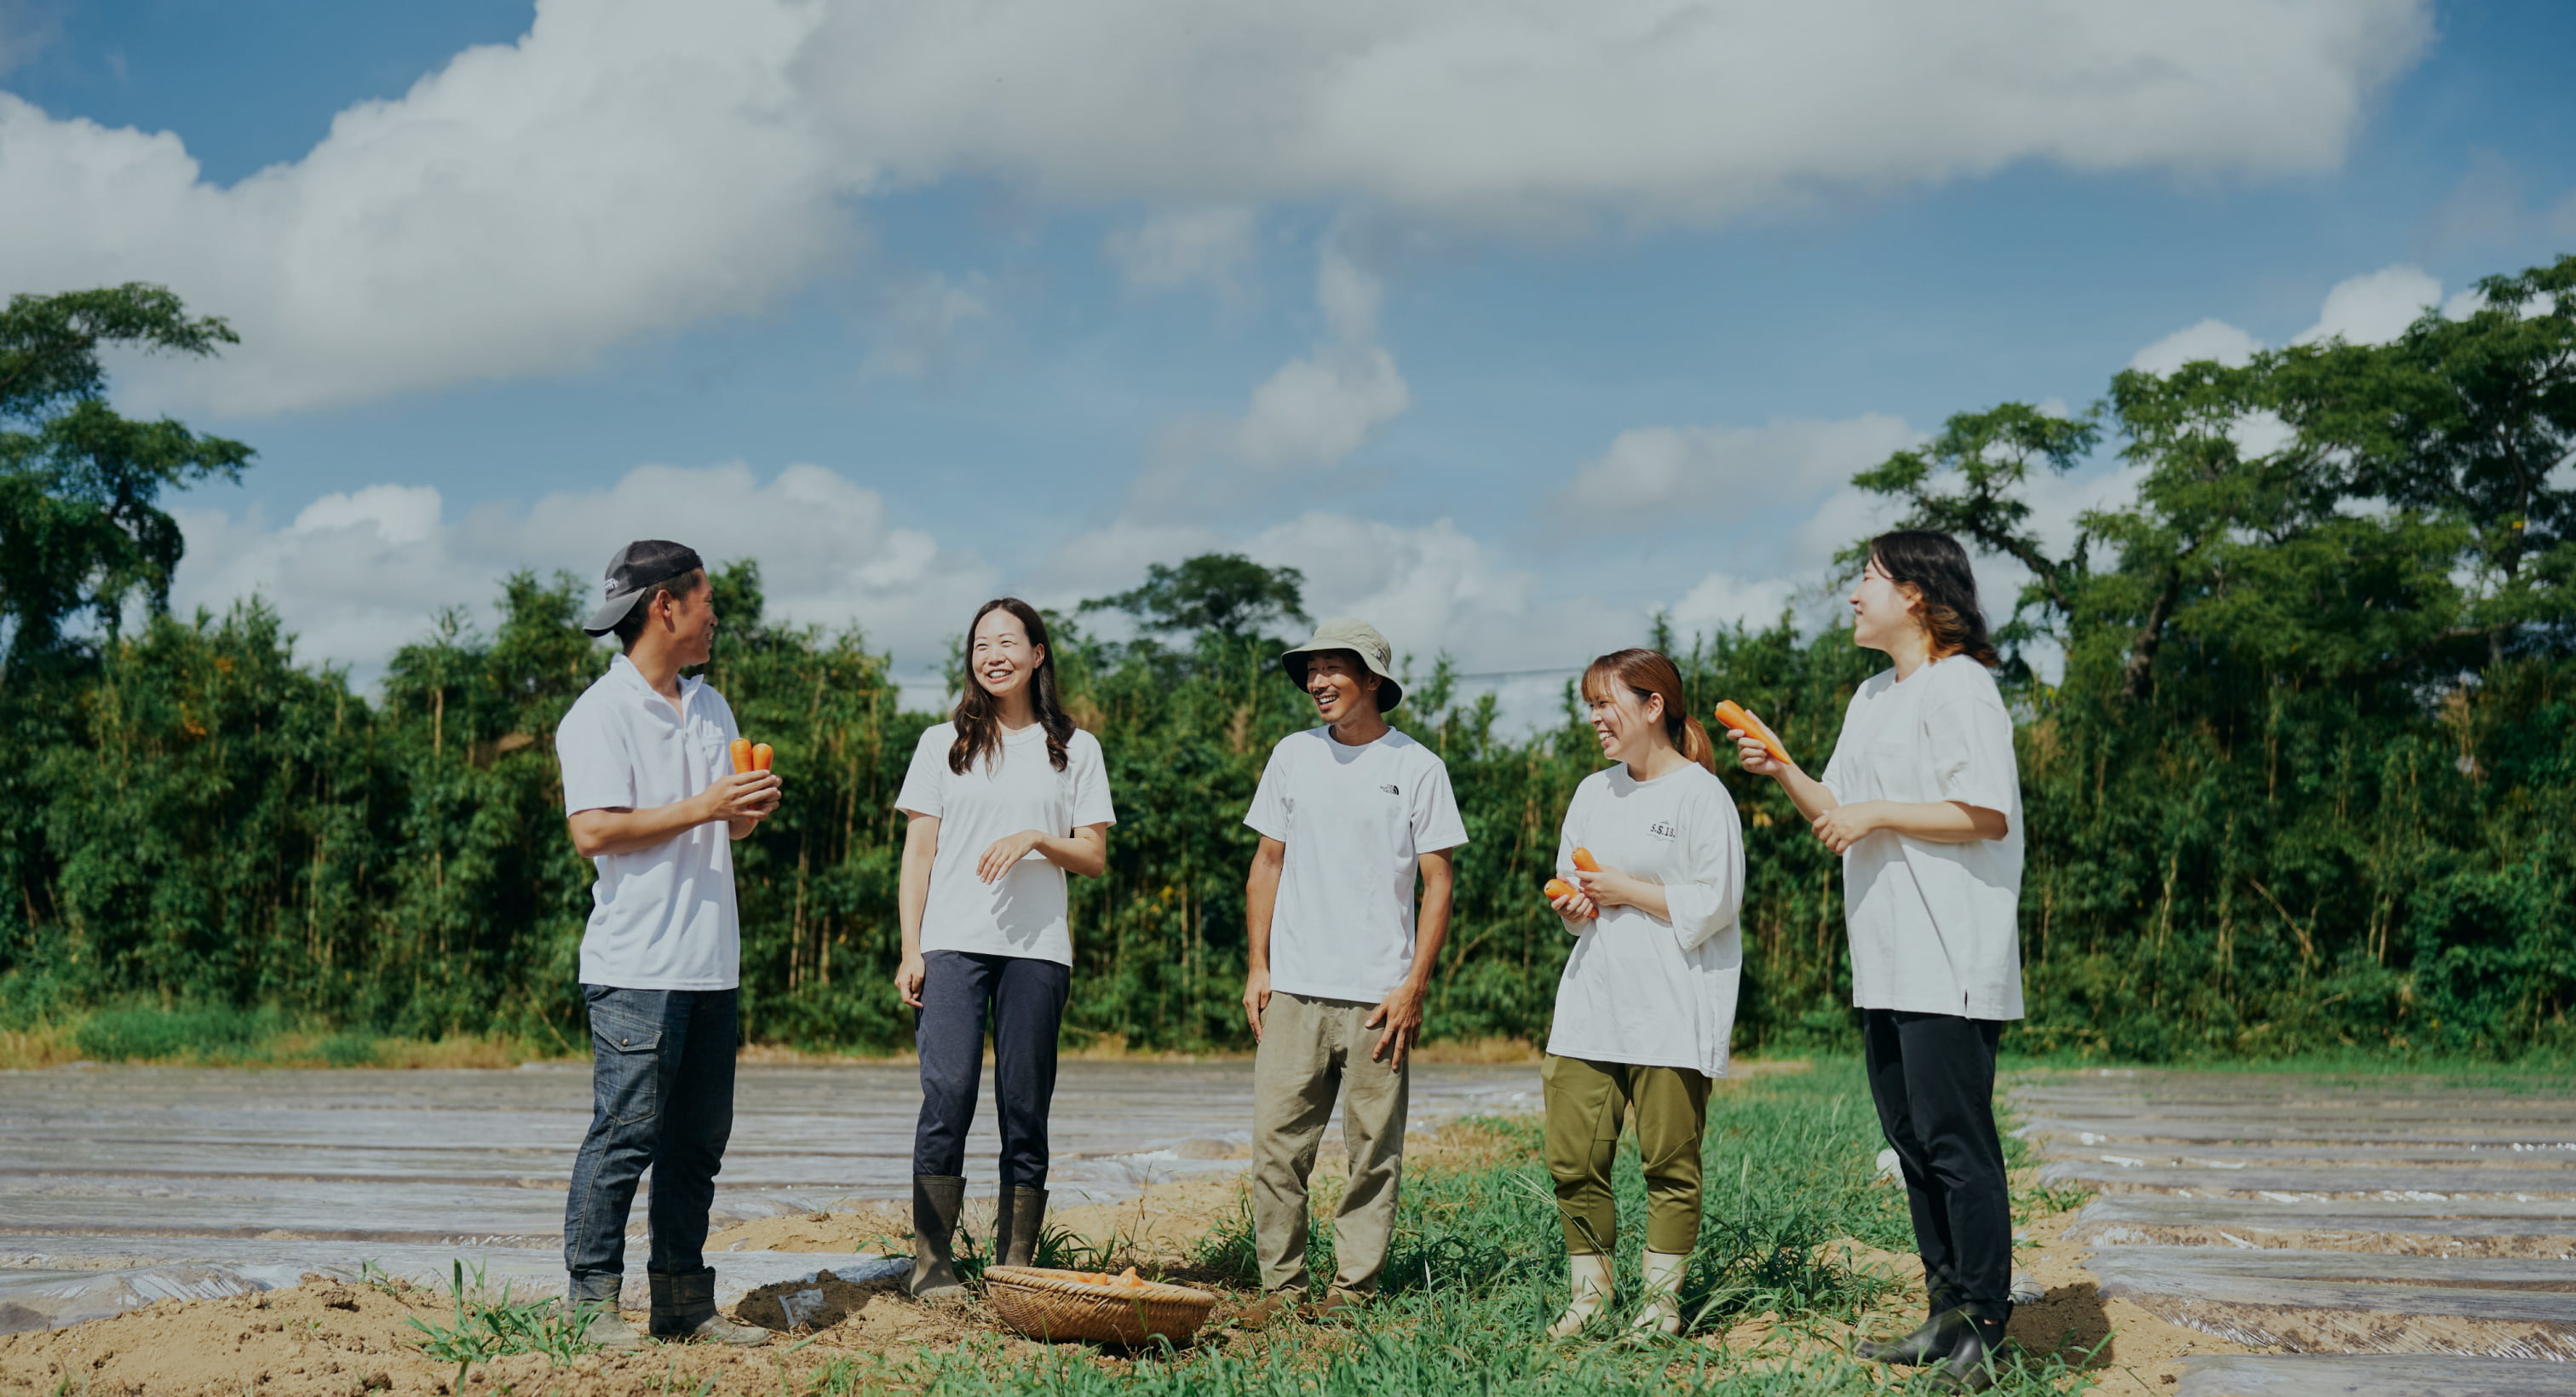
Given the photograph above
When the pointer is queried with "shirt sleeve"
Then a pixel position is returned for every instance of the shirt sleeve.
(1269, 815)
(597, 773)
(1714, 895)
(1970, 742)
(926, 779)
(1091, 805)
(1436, 825)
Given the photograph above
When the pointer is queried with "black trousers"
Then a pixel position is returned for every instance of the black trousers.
(1933, 1079)
(1023, 1000)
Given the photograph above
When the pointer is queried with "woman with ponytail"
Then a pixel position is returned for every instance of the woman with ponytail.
(1923, 802)
(1004, 800)
(1647, 1000)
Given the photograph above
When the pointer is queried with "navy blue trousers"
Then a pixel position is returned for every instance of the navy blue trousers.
(1022, 1001)
(662, 1097)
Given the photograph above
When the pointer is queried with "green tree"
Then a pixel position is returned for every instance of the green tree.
(1225, 594)
(81, 530)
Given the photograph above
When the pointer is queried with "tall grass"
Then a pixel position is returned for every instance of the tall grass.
(1477, 1270)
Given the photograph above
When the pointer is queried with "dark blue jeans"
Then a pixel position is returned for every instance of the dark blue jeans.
(1023, 999)
(662, 1085)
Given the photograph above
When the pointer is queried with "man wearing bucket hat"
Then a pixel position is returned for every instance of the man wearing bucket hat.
(1348, 813)
(652, 799)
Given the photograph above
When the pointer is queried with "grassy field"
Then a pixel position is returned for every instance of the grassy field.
(1477, 1270)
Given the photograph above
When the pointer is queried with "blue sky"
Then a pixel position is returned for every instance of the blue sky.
(916, 313)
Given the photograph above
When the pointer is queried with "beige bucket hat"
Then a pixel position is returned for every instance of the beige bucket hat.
(1361, 639)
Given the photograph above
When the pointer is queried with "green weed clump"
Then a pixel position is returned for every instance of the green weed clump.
(487, 1327)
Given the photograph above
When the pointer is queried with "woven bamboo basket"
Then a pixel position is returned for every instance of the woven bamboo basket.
(1056, 1305)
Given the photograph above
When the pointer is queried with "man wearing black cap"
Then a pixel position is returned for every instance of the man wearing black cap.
(652, 799)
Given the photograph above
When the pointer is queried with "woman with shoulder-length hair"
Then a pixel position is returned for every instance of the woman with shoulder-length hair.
(1004, 799)
(1655, 859)
(1922, 800)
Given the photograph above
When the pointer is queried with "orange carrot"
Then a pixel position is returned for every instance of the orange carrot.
(742, 754)
(1583, 860)
(760, 756)
(1558, 887)
(1732, 716)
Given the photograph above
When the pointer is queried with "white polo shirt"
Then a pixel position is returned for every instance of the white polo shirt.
(661, 918)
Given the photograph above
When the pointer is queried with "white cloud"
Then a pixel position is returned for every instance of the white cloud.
(1203, 246)
(1316, 410)
(2209, 339)
(1649, 473)
(633, 166)
(360, 574)
(1691, 111)
(1722, 599)
(625, 168)
(2374, 308)
(928, 325)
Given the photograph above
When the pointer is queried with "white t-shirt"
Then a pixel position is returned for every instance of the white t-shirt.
(1935, 928)
(1356, 821)
(1637, 988)
(660, 918)
(1015, 789)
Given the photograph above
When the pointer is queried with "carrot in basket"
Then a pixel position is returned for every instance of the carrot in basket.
(1732, 715)
(741, 754)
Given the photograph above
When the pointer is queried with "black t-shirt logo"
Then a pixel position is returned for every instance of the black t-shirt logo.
(1390, 790)
(1662, 830)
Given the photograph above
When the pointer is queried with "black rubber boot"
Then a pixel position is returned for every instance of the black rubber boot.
(1929, 1343)
(1972, 1364)
(590, 1303)
(937, 1199)
(1018, 1223)
(684, 1307)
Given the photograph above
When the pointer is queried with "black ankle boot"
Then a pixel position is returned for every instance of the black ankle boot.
(1974, 1359)
(1929, 1343)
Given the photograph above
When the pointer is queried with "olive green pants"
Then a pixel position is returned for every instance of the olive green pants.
(1587, 1102)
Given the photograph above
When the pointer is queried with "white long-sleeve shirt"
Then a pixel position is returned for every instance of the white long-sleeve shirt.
(1641, 989)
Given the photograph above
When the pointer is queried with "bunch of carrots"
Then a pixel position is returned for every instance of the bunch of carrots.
(1734, 718)
(751, 756)
(1126, 1277)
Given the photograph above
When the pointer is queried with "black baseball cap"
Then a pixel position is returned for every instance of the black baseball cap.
(634, 570)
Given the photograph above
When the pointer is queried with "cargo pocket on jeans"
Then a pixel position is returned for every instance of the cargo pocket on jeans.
(626, 1068)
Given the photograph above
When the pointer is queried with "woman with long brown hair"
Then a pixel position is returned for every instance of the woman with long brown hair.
(1004, 800)
(1655, 855)
(1922, 800)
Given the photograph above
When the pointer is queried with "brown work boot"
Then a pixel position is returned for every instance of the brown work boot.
(1338, 1304)
(1269, 1309)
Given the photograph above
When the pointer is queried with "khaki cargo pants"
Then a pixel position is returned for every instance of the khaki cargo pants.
(1310, 1050)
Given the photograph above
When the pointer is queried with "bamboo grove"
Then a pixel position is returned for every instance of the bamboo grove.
(2295, 729)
